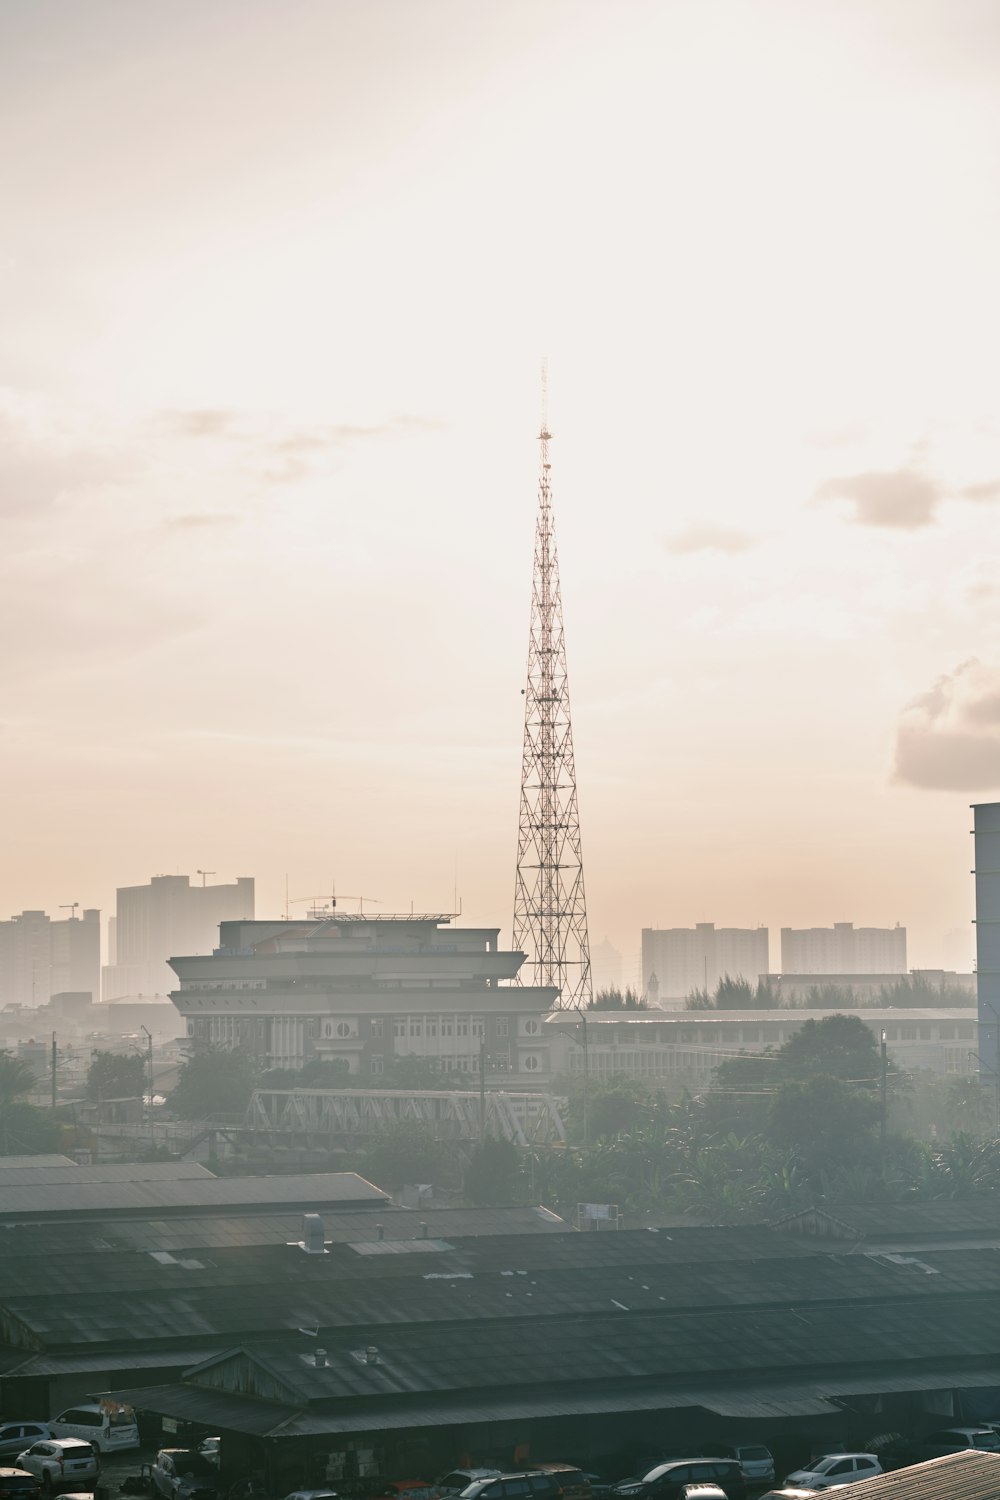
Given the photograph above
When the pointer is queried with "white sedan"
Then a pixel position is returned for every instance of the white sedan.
(833, 1469)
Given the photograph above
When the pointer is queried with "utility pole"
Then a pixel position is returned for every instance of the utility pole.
(54, 1055)
(204, 876)
(883, 1083)
(482, 1088)
(149, 1054)
(550, 904)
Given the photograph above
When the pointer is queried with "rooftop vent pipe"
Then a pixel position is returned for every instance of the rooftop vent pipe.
(321, 1356)
(371, 1354)
(380, 1231)
(423, 1229)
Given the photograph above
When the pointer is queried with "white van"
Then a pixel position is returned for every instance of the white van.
(107, 1425)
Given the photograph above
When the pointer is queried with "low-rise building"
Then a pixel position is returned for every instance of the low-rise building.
(665, 1046)
(368, 990)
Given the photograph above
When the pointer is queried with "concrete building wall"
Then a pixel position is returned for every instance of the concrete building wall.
(368, 991)
(669, 1047)
(843, 949)
(166, 917)
(684, 959)
(986, 832)
(40, 957)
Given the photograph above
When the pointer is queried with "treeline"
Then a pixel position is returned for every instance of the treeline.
(909, 991)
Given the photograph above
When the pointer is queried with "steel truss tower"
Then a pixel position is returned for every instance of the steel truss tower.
(550, 906)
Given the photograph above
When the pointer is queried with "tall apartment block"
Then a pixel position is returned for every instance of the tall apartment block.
(843, 949)
(678, 960)
(168, 916)
(40, 957)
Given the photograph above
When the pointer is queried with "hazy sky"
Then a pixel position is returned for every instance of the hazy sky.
(275, 282)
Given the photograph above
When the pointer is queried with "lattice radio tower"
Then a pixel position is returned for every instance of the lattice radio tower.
(550, 905)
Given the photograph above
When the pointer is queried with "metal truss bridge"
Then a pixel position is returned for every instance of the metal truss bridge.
(525, 1119)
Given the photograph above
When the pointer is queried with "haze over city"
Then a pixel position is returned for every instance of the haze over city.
(276, 282)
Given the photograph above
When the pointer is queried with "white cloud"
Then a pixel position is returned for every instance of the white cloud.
(949, 738)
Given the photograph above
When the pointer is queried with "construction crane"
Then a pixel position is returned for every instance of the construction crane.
(204, 875)
(71, 907)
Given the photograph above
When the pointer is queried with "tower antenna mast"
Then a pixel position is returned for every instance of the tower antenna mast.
(550, 905)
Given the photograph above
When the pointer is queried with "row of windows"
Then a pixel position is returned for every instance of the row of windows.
(772, 1036)
(469, 1064)
(420, 1026)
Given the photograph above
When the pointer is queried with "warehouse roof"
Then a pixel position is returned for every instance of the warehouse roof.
(959, 1476)
(755, 1397)
(897, 1221)
(68, 1201)
(277, 1227)
(44, 1159)
(116, 1171)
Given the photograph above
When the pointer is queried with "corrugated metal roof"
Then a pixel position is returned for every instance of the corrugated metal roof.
(318, 1191)
(957, 1476)
(44, 1159)
(117, 1361)
(118, 1171)
(278, 1227)
(894, 1220)
(762, 1399)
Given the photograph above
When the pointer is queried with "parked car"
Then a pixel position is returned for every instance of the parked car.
(954, 1440)
(16, 1436)
(313, 1495)
(183, 1474)
(667, 1481)
(522, 1484)
(756, 1461)
(457, 1480)
(831, 1469)
(702, 1492)
(107, 1427)
(62, 1463)
(18, 1484)
(572, 1481)
(210, 1448)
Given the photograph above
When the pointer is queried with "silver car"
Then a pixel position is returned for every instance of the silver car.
(831, 1469)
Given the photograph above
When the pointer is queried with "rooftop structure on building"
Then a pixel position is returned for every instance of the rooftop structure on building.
(843, 949)
(169, 915)
(677, 961)
(41, 956)
(368, 990)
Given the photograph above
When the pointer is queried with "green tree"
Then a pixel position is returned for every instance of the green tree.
(326, 1073)
(827, 1121)
(413, 1073)
(492, 1173)
(117, 1075)
(614, 998)
(406, 1152)
(620, 1104)
(839, 1046)
(698, 1000)
(16, 1078)
(214, 1082)
(24, 1130)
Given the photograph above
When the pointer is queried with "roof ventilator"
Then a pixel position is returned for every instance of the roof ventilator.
(313, 1240)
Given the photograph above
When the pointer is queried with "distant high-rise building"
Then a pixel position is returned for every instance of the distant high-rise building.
(169, 916)
(606, 966)
(682, 959)
(843, 949)
(40, 957)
